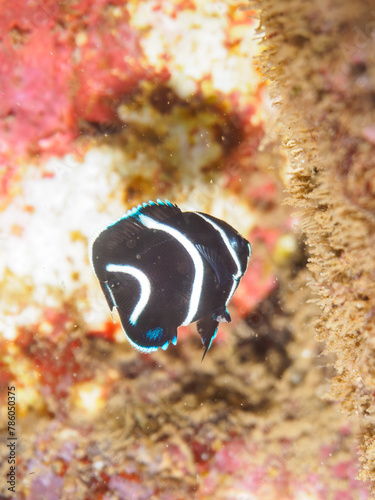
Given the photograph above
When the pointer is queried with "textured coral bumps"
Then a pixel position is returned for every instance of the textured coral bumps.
(320, 59)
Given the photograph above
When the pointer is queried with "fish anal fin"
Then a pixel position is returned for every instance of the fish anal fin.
(153, 338)
(207, 329)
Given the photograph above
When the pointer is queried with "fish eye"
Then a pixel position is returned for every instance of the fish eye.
(237, 242)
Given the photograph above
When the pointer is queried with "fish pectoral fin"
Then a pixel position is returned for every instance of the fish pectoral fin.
(215, 261)
(107, 294)
(207, 329)
(115, 315)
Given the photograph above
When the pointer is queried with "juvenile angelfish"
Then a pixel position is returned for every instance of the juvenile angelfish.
(163, 268)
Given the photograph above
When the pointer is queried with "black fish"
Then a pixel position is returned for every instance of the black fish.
(163, 268)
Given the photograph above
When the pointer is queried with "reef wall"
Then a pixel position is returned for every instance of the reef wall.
(320, 58)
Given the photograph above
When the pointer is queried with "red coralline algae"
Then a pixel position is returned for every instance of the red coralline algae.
(108, 332)
(62, 62)
(35, 104)
(232, 463)
(58, 376)
(269, 236)
(228, 460)
(256, 285)
(109, 60)
(128, 488)
(263, 194)
(49, 485)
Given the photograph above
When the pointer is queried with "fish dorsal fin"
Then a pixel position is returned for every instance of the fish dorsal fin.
(215, 261)
(160, 211)
(129, 225)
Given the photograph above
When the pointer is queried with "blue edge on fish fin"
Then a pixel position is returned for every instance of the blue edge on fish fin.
(153, 334)
(167, 209)
(138, 208)
(135, 211)
(209, 345)
(207, 329)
